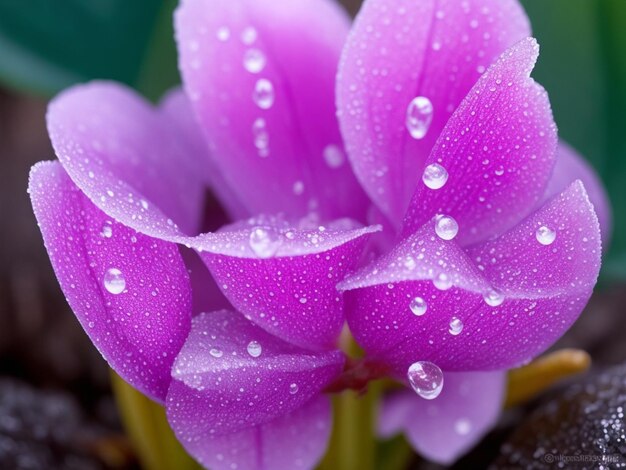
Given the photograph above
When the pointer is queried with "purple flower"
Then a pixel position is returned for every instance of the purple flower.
(491, 249)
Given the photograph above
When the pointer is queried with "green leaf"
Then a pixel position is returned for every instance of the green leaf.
(49, 45)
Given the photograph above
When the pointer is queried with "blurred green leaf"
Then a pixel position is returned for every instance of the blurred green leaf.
(48, 45)
(583, 67)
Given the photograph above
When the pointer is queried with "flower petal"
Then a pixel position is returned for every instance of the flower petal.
(498, 149)
(130, 293)
(447, 427)
(294, 441)
(283, 276)
(399, 50)
(231, 375)
(534, 287)
(176, 106)
(126, 158)
(571, 166)
(261, 77)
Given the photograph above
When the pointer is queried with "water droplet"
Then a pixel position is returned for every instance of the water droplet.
(114, 281)
(216, 353)
(435, 176)
(333, 156)
(494, 297)
(263, 94)
(107, 231)
(463, 426)
(418, 306)
(545, 236)
(446, 227)
(419, 115)
(293, 388)
(249, 35)
(223, 33)
(426, 379)
(298, 188)
(442, 281)
(261, 136)
(456, 326)
(254, 60)
(265, 241)
(254, 348)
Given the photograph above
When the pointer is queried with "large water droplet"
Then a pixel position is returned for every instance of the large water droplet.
(446, 227)
(254, 348)
(426, 379)
(265, 241)
(435, 176)
(442, 281)
(456, 326)
(263, 94)
(493, 297)
(545, 235)
(419, 115)
(254, 60)
(418, 306)
(114, 281)
(333, 156)
(293, 388)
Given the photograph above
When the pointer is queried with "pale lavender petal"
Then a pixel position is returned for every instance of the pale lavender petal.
(122, 154)
(294, 441)
(513, 297)
(444, 429)
(282, 275)
(261, 77)
(231, 375)
(399, 50)
(130, 292)
(571, 166)
(177, 108)
(498, 150)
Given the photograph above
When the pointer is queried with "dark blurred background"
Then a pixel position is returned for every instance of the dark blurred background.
(52, 382)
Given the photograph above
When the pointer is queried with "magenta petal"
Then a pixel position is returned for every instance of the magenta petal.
(513, 296)
(498, 149)
(130, 292)
(444, 429)
(177, 108)
(571, 166)
(261, 77)
(231, 375)
(399, 50)
(294, 441)
(126, 158)
(282, 276)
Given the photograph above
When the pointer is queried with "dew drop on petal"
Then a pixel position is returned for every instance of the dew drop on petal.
(254, 348)
(446, 227)
(435, 176)
(442, 281)
(293, 388)
(426, 379)
(418, 306)
(456, 326)
(333, 156)
(298, 188)
(263, 95)
(107, 231)
(260, 134)
(264, 241)
(216, 352)
(254, 60)
(114, 281)
(493, 297)
(223, 33)
(463, 426)
(419, 115)
(545, 235)
(249, 35)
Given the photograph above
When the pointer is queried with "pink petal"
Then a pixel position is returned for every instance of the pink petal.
(281, 151)
(498, 149)
(177, 108)
(444, 429)
(126, 159)
(231, 375)
(287, 286)
(571, 166)
(138, 316)
(294, 441)
(543, 290)
(399, 50)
